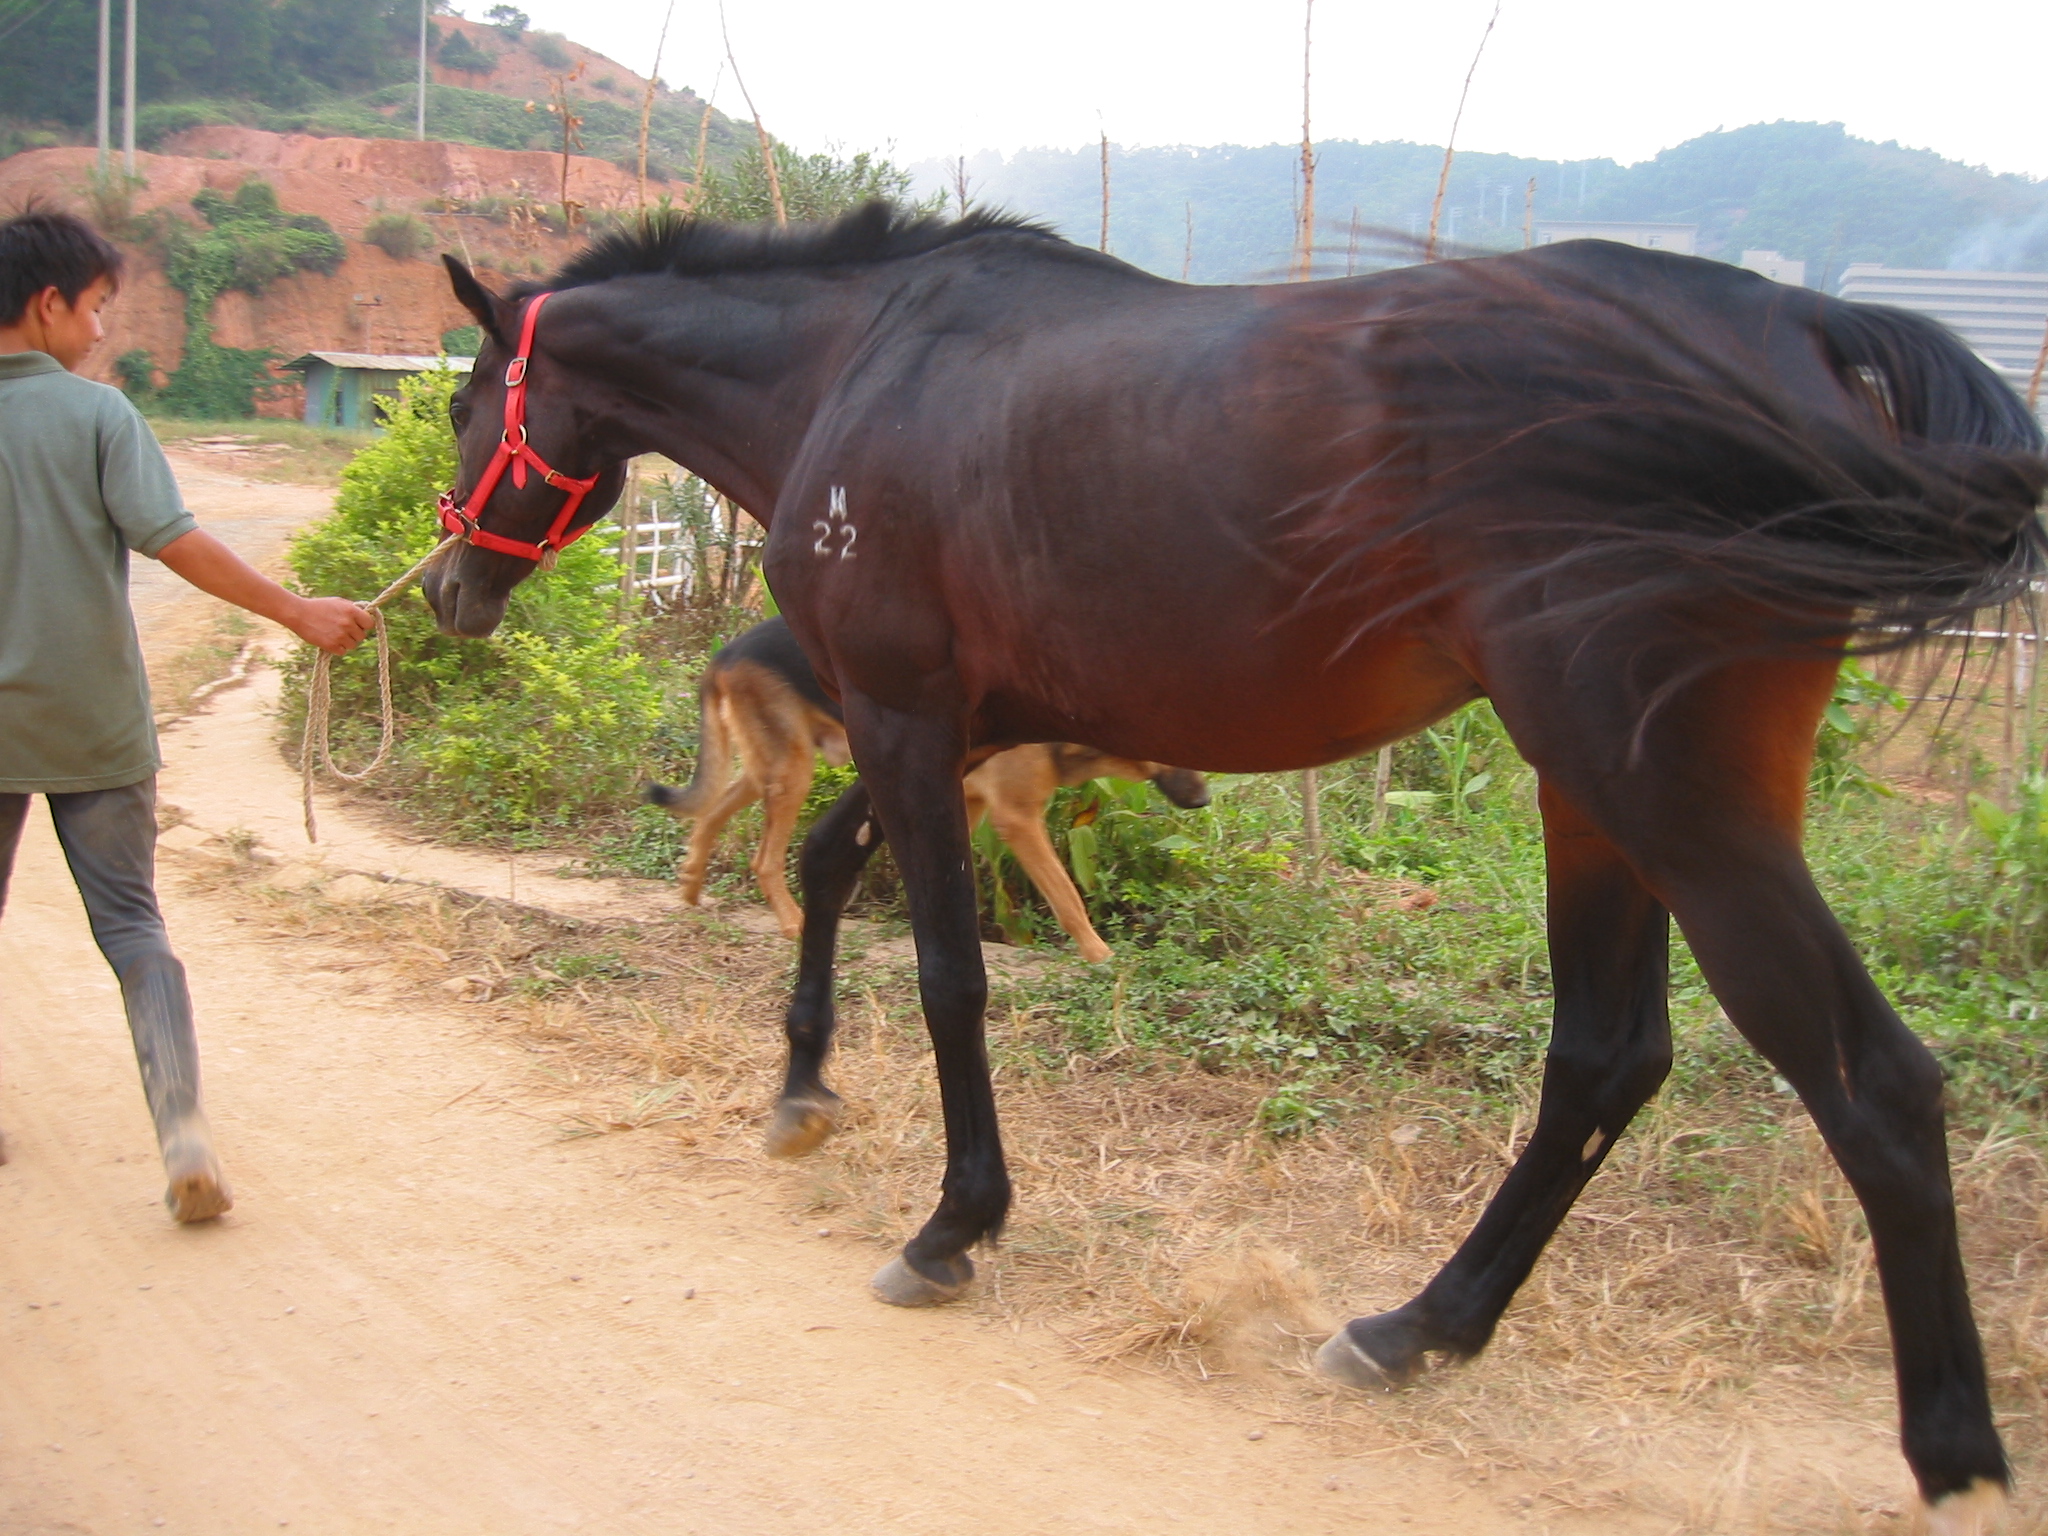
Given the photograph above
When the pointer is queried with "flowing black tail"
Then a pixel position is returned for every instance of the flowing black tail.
(1936, 389)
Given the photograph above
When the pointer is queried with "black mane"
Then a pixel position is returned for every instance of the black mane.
(667, 241)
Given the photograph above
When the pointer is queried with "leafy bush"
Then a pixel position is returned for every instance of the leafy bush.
(538, 729)
(247, 242)
(548, 48)
(158, 120)
(459, 53)
(463, 341)
(400, 236)
(137, 372)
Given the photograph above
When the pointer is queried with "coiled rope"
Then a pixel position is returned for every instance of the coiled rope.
(316, 745)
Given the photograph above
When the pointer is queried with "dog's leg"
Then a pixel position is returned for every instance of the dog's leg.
(789, 780)
(739, 794)
(1019, 785)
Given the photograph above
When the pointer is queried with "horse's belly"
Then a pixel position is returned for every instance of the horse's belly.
(1238, 710)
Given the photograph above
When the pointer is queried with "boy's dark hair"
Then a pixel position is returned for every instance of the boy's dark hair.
(40, 249)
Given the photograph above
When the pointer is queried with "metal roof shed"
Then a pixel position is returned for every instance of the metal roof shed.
(342, 388)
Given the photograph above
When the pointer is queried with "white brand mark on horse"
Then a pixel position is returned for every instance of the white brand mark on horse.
(834, 525)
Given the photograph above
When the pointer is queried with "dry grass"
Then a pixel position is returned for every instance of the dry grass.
(1703, 1342)
(266, 448)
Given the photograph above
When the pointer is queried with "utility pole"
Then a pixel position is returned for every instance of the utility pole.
(420, 121)
(106, 59)
(128, 95)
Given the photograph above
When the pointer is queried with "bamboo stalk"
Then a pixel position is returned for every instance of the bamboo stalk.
(761, 133)
(1312, 816)
(704, 140)
(1443, 180)
(2040, 367)
(1103, 244)
(1305, 236)
(647, 98)
(1382, 778)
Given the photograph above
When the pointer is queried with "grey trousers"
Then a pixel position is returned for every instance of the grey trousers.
(109, 840)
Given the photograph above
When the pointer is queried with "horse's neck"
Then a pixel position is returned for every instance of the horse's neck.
(730, 380)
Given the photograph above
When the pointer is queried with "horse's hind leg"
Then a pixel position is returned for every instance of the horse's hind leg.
(1793, 984)
(838, 847)
(1610, 1048)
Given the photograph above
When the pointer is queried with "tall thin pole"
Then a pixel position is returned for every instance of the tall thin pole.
(1443, 179)
(106, 59)
(647, 101)
(420, 118)
(128, 94)
(2040, 367)
(767, 148)
(1103, 243)
(1305, 237)
(1529, 215)
(1304, 261)
(1187, 253)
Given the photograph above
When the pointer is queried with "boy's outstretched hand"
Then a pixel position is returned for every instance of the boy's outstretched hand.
(334, 624)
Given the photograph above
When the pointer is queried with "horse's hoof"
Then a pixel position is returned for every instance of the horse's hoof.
(1976, 1511)
(1352, 1361)
(901, 1286)
(801, 1124)
(197, 1190)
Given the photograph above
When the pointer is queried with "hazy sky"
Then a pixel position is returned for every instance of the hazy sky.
(1564, 79)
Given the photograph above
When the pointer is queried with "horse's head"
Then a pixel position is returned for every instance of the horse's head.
(526, 483)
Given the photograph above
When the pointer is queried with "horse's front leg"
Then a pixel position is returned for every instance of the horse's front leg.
(912, 764)
(833, 855)
(1610, 1047)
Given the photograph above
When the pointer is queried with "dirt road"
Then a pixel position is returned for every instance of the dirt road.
(428, 1313)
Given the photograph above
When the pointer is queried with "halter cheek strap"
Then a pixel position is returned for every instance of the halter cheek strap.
(514, 451)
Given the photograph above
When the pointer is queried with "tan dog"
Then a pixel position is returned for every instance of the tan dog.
(759, 700)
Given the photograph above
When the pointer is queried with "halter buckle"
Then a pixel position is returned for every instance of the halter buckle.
(515, 373)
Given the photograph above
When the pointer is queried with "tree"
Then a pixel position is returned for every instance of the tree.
(508, 19)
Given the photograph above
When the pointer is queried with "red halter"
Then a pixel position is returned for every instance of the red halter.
(515, 450)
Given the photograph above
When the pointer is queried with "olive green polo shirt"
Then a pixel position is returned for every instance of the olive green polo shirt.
(82, 482)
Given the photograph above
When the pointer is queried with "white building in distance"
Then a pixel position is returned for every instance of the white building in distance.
(2002, 315)
(1682, 238)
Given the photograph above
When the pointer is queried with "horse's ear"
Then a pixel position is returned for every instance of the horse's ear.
(476, 298)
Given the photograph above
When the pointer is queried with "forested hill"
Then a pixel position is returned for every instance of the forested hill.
(335, 67)
(1808, 190)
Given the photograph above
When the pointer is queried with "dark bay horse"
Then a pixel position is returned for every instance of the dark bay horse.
(1018, 491)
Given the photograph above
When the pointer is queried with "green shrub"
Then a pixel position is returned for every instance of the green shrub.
(542, 728)
(247, 242)
(400, 236)
(463, 341)
(458, 52)
(158, 120)
(137, 372)
(548, 48)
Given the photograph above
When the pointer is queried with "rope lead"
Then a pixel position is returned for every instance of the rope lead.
(316, 745)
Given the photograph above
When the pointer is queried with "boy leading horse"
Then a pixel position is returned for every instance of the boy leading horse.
(82, 483)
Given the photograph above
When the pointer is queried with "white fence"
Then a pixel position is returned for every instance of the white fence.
(679, 542)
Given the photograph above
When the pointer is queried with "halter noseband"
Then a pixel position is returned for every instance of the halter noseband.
(516, 451)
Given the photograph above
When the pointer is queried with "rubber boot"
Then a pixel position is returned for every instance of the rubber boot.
(167, 1050)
